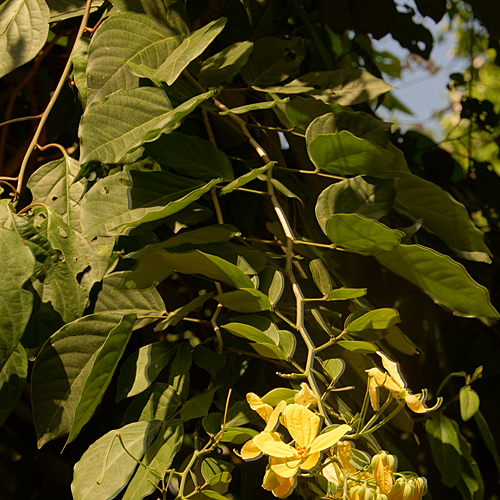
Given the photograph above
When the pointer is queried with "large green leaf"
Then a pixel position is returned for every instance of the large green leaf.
(128, 119)
(179, 376)
(443, 215)
(346, 86)
(357, 233)
(142, 368)
(377, 319)
(53, 185)
(24, 26)
(66, 9)
(273, 60)
(198, 406)
(74, 355)
(444, 280)
(225, 65)
(366, 196)
(12, 380)
(99, 378)
(190, 48)
(124, 200)
(123, 38)
(192, 156)
(244, 300)
(158, 457)
(345, 154)
(107, 466)
(17, 303)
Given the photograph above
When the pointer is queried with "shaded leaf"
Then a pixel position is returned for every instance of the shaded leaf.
(106, 467)
(288, 343)
(12, 380)
(179, 377)
(123, 38)
(142, 368)
(357, 233)
(225, 65)
(256, 106)
(321, 276)
(198, 406)
(17, 303)
(207, 359)
(443, 215)
(358, 346)
(245, 178)
(236, 435)
(272, 283)
(367, 196)
(67, 360)
(179, 314)
(444, 280)
(244, 300)
(334, 368)
(192, 156)
(487, 436)
(269, 351)
(190, 48)
(132, 117)
(24, 26)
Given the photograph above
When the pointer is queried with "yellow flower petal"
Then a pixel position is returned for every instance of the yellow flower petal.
(415, 404)
(273, 419)
(286, 469)
(344, 456)
(271, 444)
(280, 486)
(333, 474)
(311, 460)
(383, 477)
(392, 369)
(330, 438)
(249, 451)
(263, 409)
(373, 391)
(305, 396)
(302, 424)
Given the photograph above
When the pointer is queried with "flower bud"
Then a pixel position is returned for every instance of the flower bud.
(383, 466)
(362, 492)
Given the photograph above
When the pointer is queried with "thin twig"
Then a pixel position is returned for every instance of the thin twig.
(20, 119)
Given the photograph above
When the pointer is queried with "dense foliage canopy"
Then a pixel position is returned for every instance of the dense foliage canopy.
(214, 250)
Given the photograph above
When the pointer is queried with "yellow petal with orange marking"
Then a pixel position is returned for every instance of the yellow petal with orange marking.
(383, 477)
(302, 424)
(287, 469)
(329, 438)
(271, 444)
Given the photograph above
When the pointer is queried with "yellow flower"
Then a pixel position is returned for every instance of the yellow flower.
(280, 486)
(409, 489)
(303, 426)
(395, 384)
(383, 466)
(249, 451)
(305, 396)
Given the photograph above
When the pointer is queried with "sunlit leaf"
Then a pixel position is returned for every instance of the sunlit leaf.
(358, 346)
(107, 466)
(254, 107)
(24, 26)
(190, 48)
(321, 276)
(142, 368)
(272, 283)
(225, 65)
(357, 233)
(127, 37)
(444, 280)
(469, 403)
(245, 178)
(244, 300)
(377, 319)
(334, 368)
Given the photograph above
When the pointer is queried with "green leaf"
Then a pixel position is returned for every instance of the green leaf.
(272, 283)
(198, 406)
(274, 396)
(211, 467)
(443, 215)
(367, 196)
(346, 86)
(444, 280)
(79, 58)
(245, 178)
(213, 494)
(357, 233)
(17, 303)
(378, 319)
(301, 111)
(190, 48)
(273, 60)
(114, 296)
(142, 368)
(66, 9)
(346, 293)
(12, 380)
(159, 456)
(244, 300)
(288, 343)
(346, 154)
(200, 236)
(24, 26)
(123, 200)
(179, 314)
(123, 38)
(487, 436)
(469, 403)
(225, 65)
(132, 117)
(210, 266)
(358, 346)
(237, 435)
(320, 276)
(207, 359)
(73, 355)
(159, 402)
(106, 467)
(99, 378)
(191, 156)
(269, 351)
(334, 368)
(179, 375)
(53, 185)
(251, 332)
(256, 106)
(445, 446)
